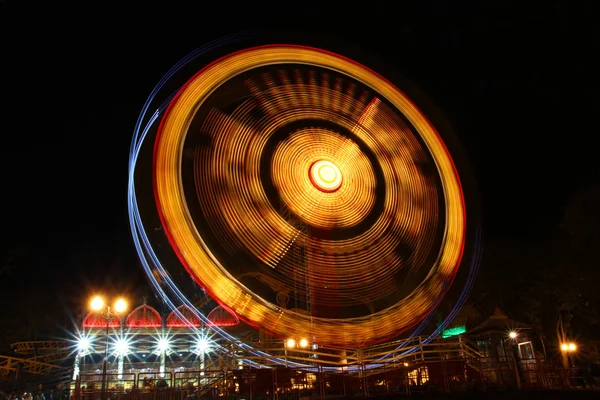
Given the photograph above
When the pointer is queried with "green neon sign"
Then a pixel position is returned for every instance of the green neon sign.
(457, 330)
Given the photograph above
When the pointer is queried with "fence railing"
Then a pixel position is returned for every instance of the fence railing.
(442, 376)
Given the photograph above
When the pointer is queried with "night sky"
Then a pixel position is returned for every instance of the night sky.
(517, 85)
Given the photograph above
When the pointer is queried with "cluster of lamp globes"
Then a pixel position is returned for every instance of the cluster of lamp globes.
(292, 343)
(122, 345)
(568, 347)
(98, 304)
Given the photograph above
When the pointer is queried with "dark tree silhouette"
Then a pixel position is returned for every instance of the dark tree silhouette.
(553, 277)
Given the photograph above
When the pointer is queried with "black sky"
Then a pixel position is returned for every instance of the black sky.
(518, 85)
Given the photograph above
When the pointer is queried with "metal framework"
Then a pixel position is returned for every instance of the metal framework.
(445, 365)
(37, 357)
(40, 347)
(32, 365)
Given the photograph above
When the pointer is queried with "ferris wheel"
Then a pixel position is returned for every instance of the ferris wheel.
(304, 192)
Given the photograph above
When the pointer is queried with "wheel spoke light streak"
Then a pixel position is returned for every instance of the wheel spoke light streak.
(281, 150)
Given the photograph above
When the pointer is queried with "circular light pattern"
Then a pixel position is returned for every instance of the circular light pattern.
(291, 169)
(349, 167)
(325, 175)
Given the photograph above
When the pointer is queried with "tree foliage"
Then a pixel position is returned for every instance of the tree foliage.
(552, 277)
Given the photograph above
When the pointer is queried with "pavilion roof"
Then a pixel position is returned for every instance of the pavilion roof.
(498, 322)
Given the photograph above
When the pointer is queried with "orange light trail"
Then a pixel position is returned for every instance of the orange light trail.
(229, 184)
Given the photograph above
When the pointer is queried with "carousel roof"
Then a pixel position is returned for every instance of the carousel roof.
(96, 320)
(498, 322)
(219, 316)
(144, 317)
(182, 317)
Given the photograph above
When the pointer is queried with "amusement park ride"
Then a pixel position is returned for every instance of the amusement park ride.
(315, 202)
(308, 196)
(38, 358)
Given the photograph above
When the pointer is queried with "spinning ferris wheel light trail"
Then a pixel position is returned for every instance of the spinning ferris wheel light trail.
(336, 147)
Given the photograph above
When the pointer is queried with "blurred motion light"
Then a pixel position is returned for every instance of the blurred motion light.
(572, 347)
(290, 343)
(383, 140)
(303, 343)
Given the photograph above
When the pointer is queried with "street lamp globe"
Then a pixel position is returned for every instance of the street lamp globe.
(120, 305)
(97, 303)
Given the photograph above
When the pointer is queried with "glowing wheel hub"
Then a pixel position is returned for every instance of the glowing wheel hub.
(325, 176)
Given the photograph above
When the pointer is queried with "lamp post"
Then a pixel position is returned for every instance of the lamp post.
(107, 313)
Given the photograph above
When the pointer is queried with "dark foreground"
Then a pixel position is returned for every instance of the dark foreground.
(502, 395)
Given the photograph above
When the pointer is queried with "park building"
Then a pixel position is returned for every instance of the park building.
(146, 341)
(180, 351)
(216, 354)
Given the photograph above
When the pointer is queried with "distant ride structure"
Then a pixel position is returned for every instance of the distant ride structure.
(44, 358)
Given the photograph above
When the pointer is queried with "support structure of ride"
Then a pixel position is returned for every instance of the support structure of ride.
(37, 357)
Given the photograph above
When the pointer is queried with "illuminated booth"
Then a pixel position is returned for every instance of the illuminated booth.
(499, 336)
(144, 341)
